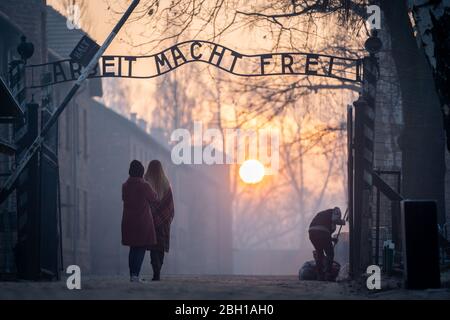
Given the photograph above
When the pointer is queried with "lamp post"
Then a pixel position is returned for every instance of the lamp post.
(373, 44)
(25, 49)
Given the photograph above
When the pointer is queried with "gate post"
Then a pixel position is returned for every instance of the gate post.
(363, 162)
(363, 157)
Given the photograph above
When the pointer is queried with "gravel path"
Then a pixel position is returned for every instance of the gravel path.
(207, 287)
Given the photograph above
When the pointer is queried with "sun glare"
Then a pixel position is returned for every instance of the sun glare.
(251, 171)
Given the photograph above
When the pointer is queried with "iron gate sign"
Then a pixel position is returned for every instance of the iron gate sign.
(151, 66)
(84, 51)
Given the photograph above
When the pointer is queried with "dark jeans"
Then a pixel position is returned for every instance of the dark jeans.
(324, 250)
(157, 257)
(135, 258)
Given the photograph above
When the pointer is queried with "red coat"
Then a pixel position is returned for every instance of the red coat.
(138, 229)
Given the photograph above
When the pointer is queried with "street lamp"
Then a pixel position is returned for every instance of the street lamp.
(25, 49)
(373, 44)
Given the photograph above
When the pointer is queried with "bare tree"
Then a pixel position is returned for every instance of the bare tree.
(78, 8)
(333, 26)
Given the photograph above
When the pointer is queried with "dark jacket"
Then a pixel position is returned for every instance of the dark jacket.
(323, 221)
(138, 229)
(163, 213)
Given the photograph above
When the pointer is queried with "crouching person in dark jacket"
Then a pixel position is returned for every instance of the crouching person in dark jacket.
(320, 230)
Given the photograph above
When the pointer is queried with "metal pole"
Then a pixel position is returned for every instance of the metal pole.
(340, 227)
(350, 184)
(9, 184)
(358, 149)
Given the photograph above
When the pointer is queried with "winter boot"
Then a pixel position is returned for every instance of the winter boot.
(319, 266)
(328, 270)
(156, 272)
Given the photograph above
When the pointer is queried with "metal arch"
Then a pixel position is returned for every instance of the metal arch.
(169, 59)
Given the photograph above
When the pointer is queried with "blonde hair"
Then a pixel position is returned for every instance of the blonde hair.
(157, 179)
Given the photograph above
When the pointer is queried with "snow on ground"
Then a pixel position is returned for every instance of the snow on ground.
(207, 287)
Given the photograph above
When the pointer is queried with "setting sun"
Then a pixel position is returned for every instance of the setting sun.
(251, 171)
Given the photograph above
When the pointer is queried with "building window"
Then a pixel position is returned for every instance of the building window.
(80, 129)
(133, 152)
(68, 206)
(61, 122)
(86, 217)
(68, 137)
(85, 133)
(79, 214)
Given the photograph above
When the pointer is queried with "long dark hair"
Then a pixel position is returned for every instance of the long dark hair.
(157, 179)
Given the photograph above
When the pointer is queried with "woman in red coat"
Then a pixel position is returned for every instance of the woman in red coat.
(138, 230)
(163, 213)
